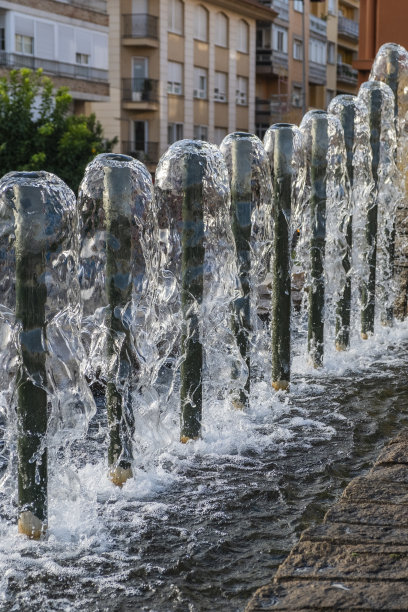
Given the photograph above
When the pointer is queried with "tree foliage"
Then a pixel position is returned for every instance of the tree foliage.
(37, 131)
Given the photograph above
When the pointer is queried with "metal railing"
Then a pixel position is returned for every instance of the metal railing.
(146, 152)
(348, 27)
(347, 74)
(317, 73)
(270, 57)
(137, 25)
(76, 71)
(282, 7)
(276, 105)
(318, 26)
(140, 90)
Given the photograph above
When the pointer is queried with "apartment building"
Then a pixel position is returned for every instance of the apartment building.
(68, 40)
(179, 69)
(304, 58)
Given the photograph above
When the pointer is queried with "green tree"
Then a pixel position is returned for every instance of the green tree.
(37, 131)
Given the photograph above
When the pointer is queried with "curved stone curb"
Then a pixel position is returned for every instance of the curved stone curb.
(358, 558)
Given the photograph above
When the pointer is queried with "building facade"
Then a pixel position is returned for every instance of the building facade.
(381, 21)
(179, 69)
(304, 58)
(68, 40)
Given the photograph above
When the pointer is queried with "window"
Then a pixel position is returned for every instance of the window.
(279, 39)
(219, 135)
(260, 129)
(297, 49)
(298, 5)
(317, 51)
(82, 58)
(201, 23)
(329, 96)
(332, 7)
(242, 36)
(2, 39)
(200, 83)
(174, 132)
(331, 52)
(297, 95)
(242, 91)
(175, 8)
(200, 132)
(220, 86)
(175, 78)
(221, 30)
(24, 44)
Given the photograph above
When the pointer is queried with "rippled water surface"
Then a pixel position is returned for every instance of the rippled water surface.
(203, 525)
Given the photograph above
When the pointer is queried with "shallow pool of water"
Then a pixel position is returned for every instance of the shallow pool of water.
(201, 526)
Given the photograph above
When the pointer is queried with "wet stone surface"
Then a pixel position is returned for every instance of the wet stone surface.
(358, 558)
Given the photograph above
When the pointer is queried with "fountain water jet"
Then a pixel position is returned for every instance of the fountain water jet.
(116, 201)
(198, 262)
(323, 220)
(379, 101)
(284, 146)
(39, 249)
(251, 212)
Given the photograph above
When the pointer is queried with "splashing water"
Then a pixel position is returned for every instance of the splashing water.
(391, 67)
(54, 231)
(247, 162)
(337, 214)
(387, 192)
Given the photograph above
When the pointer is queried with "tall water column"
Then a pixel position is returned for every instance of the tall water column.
(40, 300)
(391, 67)
(379, 101)
(353, 115)
(323, 220)
(198, 278)
(284, 146)
(115, 199)
(251, 217)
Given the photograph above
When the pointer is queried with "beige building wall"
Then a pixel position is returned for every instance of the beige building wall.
(127, 110)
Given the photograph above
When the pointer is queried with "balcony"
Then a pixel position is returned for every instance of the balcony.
(347, 74)
(60, 69)
(348, 28)
(318, 26)
(140, 29)
(281, 7)
(273, 108)
(140, 94)
(269, 61)
(317, 73)
(146, 152)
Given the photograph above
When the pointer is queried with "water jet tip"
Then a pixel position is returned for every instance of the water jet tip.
(186, 439)
(280, 385)
(119, 475)
(31, 526)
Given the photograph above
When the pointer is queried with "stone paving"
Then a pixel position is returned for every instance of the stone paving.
(358, 558)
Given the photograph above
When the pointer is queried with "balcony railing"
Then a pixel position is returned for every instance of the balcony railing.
(348, 28)
(140, 90)
(272, 58)
(140, 26)
(347, 74)
(61, 69)
(275, 106)
(317, 73)
(281, 7)
(146, 152)
(318, 26)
